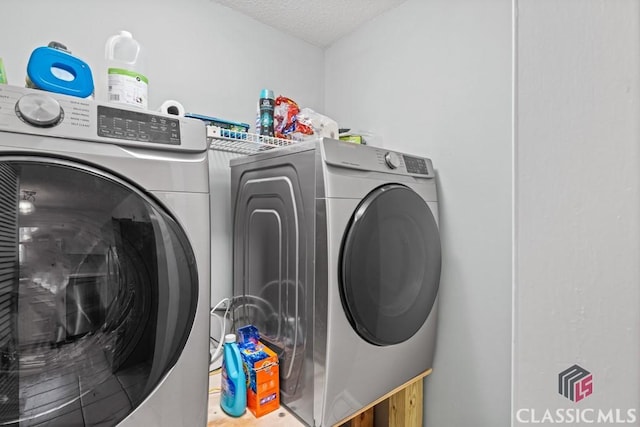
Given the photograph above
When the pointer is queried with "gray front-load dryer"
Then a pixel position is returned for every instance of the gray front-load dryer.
(337, 261)
(104, 264)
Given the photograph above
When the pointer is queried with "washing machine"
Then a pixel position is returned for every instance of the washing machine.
(104, 264)
(337, 260)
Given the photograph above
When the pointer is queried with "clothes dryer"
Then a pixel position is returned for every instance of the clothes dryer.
(104, 264)
(337, 259)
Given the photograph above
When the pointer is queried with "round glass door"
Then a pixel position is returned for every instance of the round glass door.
(390, 265)
(98, 290)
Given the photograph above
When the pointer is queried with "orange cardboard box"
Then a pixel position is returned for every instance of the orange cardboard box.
(263, 384)
(263, 395)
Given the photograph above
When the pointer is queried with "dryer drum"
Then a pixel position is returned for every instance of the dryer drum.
(390, 263)
(98, 293)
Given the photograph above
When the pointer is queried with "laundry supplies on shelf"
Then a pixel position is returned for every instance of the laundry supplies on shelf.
(127, 82)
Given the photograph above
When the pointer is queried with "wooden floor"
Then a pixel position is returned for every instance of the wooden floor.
(217, 417)
(401, 407)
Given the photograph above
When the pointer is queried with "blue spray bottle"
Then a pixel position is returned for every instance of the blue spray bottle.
(233, 396)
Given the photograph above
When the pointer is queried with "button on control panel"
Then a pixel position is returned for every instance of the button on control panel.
(39, 110)
(392, 160)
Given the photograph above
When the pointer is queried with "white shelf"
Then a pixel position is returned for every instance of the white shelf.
(242, 142)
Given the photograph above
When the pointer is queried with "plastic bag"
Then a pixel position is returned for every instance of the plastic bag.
(322, 126)
(286, 120)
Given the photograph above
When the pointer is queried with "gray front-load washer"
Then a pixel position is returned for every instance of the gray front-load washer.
(337, 261)
(104, 264)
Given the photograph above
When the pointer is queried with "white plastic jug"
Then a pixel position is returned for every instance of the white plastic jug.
(126, 79)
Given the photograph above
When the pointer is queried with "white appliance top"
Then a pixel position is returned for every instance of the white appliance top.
(36, 112)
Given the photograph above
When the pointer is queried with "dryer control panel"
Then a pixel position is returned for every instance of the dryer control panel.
(31, 111)
(375, 159)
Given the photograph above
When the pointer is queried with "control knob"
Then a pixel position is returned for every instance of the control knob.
(392, 160)
(39, 110)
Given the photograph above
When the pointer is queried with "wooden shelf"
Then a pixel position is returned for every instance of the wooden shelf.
(401, 407)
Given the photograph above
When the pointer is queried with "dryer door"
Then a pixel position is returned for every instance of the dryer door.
(390, 265)
(98, 292)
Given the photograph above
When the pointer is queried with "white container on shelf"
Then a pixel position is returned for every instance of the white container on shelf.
(126, 79)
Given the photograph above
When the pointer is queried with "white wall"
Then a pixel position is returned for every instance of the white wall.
(211, 59)
(577, 200)
(434, 78)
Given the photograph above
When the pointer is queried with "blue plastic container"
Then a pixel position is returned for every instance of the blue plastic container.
(55, 70)
(233, 395)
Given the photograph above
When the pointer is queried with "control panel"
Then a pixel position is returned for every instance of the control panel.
(415, 165)
(137, 126)
(374, 159)
(32, 111)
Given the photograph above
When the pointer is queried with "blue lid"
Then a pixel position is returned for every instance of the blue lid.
(45, 61)
(267, 93)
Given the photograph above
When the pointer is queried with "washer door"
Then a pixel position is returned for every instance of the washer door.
(98, 289)
(390, 265)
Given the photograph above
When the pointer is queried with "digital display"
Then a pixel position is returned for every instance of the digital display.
(416, 165)
(137, 126)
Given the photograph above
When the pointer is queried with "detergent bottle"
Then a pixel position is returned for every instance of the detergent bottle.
(126, 81)
(233, 385)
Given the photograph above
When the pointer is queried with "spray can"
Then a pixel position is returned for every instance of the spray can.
(266, 104)
(126, 81)
(233, 395)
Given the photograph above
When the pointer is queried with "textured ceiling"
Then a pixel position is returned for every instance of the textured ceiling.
(319, 22)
